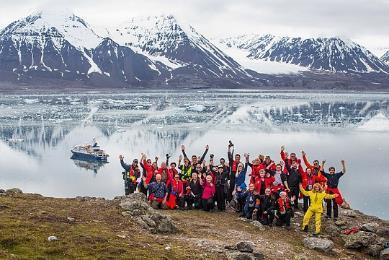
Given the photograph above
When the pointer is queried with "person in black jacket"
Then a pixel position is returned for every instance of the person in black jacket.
(267, 208)
(193, 192)
(293, 180)
(194, 157)
(220, 183)
(233, 166)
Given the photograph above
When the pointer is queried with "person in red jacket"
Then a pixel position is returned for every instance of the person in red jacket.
(291, 159)
(308, 180)
(165, 173)
(262, 182)
(209, 191)
(256, 167)
(148, 167)
(284, 210)
(176, 193)
(315, 167)
(269, 164)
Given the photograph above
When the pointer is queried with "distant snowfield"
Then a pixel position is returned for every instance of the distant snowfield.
(262, 66)
(378, 122)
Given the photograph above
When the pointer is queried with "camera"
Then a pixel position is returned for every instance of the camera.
(211, 155)
(230, 144)
(168, 156)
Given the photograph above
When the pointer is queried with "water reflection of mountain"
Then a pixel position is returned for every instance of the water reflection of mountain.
(33, 139)
(342, 114)
(166, 126)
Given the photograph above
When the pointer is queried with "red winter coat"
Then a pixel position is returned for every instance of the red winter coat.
(258, 183)
(284, 158)
(283, 205)
(208, 190)
(149, 171)
(255, 171)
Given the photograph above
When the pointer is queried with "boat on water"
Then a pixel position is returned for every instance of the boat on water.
(89, 152)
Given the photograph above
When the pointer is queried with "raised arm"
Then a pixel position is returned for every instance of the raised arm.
(303, 191)
(167, 159)
(125, 166)
(204, 154)
(306, 162)
(282, 153)
(230, 154)
(179, 161)
(183, 152)
(343, 166)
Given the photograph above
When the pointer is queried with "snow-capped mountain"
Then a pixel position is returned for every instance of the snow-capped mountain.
(329, 54)
(61, 45)
(385, 58)
(177, 45)
(56, 42)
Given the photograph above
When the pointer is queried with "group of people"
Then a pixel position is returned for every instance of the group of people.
(269, 194)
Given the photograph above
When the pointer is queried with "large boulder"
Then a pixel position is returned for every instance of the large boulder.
(244, 256)
(358, 240)
(349, 213)
(136, 206)
(370, 227)
(14, 191)
(320, 244)
(245, 246)
(240, 256)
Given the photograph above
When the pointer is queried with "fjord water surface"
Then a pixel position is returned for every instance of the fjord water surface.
(38, 131)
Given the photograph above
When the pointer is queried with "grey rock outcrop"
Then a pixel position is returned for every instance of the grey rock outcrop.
(359, 240)
(320, 244)
(136, 206)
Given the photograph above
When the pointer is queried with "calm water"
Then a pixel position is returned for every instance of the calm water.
(37, 133)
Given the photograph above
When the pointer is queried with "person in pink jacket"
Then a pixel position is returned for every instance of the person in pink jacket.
(208, 193)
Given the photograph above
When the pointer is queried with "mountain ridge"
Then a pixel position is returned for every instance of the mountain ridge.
(333, 54)
(160, 51)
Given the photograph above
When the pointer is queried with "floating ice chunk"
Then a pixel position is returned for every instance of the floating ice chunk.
(196, 108)
(30, 101)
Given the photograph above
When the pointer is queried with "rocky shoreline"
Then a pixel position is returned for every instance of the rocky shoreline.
(180, 234)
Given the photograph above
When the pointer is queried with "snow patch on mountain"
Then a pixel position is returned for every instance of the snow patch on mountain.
(165, 36)
(72, 28)
(261, 66)
(58, 27)
(330, 54)
(385, 58)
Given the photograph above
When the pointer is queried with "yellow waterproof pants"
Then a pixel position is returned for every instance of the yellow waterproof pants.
(308, 216)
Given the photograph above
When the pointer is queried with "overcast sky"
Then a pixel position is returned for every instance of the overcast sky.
(364, 21)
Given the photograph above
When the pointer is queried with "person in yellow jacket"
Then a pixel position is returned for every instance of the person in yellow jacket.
(316, 195)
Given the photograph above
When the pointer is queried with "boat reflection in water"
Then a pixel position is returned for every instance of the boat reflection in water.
(90, 165)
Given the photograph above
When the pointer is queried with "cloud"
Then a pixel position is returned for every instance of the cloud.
(357, 19)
